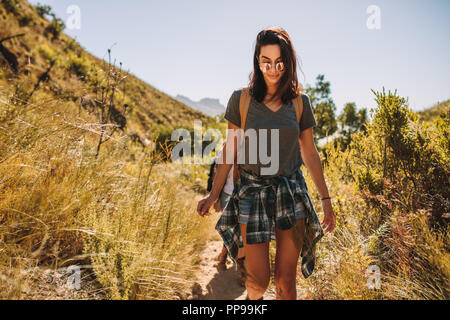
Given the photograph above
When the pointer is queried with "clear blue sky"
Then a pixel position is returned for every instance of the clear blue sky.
(204, 48)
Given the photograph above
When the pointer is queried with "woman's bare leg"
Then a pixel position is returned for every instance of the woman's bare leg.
(286, 259)
(257, 266)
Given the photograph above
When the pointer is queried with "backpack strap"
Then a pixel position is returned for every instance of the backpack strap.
(244, 105)
(298, 105)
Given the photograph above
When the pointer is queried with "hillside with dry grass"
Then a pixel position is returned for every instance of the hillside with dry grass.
(433, 113)
(86, 182)
(43, 64)
(84, 176)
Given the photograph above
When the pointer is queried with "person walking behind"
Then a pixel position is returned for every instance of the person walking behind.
(219, 205)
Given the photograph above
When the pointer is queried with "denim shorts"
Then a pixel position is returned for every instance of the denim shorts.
(244, 209)
(224, 198)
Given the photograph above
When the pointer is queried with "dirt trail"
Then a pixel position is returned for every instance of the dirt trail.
(212, 284)
(219, 285)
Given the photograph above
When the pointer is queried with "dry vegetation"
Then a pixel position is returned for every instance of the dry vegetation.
(124, 214)
(391, 196)
(82, 184)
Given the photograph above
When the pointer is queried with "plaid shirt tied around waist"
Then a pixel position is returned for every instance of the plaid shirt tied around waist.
(273, 204)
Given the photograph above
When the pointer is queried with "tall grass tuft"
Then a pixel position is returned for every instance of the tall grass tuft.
(125, 214)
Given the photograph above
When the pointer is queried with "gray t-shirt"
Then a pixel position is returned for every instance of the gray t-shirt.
(261, 117)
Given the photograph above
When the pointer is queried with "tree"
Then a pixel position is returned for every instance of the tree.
(351, 121)
(323, 108)
(221, 117)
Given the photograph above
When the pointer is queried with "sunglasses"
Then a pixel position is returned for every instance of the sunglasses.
(266, 66)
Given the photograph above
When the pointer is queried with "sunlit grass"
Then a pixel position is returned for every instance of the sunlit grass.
(125, 214)
(377, 223)
(131, 218)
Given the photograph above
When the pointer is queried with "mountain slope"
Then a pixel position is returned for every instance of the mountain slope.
(72, 74)
(433, 113)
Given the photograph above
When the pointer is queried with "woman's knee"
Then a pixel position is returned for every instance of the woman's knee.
(285, 281)
(257, 283)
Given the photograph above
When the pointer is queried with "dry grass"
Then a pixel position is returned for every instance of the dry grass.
(124, 215)
(382, 228)
(128, 219)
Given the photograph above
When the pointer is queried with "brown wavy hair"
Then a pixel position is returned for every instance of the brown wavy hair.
(289, 86)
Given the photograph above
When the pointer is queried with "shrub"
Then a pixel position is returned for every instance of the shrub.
(398, 217)
(78, 66)
(43, 10)
(47, 52)
(55, 27)
(26, 20)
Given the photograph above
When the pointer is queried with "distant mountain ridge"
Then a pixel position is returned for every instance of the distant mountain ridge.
(209, 106)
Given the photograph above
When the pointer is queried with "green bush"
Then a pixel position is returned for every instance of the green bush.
(43, 10)
(47, 52)
(367, 181)
(396, 213)
(79, 66)
(55, 27)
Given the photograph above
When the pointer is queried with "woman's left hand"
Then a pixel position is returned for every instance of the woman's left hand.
(329, 220)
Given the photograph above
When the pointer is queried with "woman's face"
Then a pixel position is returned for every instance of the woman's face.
(271, 53)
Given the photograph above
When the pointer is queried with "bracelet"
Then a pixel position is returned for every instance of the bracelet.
(325, 198)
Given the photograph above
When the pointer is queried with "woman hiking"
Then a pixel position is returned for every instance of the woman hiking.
(276, 206)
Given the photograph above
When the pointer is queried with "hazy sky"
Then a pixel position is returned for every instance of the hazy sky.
(204, 48)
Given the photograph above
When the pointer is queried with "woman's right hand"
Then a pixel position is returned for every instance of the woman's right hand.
(204, 205)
